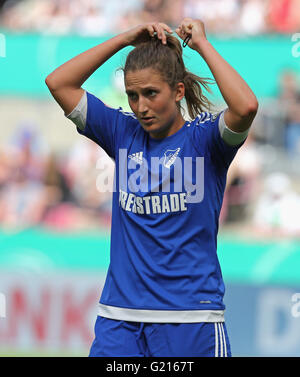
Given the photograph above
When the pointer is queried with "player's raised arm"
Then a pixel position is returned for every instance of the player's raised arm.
(241, 101)
(65, 82)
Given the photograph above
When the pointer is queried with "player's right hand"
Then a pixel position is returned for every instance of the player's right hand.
(144, 32)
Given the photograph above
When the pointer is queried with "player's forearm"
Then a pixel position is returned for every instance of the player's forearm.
(76, 71)
(235, 91)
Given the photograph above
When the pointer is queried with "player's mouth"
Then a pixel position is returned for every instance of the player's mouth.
(147, 120)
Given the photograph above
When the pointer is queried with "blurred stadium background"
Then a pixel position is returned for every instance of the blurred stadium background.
(54, 224)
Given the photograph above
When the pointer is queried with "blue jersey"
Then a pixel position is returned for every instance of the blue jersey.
(166, 204)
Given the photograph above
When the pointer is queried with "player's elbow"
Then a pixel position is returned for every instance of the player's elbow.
(50, 82)
(53, 82)
(251, 108)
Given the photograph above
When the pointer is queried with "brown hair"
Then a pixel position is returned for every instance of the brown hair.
(168, 61)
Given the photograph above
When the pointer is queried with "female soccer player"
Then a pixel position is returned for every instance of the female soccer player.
(163, 294)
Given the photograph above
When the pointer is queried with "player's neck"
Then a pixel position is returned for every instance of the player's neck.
(170, 130)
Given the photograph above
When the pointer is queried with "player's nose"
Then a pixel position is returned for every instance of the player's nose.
(142, 107)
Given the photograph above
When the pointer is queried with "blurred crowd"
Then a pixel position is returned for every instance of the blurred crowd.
(98, 17)
(263, 183)
(54, 190)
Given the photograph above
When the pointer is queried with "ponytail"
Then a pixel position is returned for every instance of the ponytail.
(196, 101)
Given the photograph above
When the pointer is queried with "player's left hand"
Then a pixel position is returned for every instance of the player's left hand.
(194, 29)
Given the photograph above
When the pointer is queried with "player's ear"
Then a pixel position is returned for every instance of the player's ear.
(180, 91)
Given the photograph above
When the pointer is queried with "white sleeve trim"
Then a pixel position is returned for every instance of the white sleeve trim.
(79, 114)
(231, 137)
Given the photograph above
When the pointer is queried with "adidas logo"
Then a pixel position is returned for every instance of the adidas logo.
(137, 157)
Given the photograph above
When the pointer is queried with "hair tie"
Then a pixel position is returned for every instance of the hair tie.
(186, 41)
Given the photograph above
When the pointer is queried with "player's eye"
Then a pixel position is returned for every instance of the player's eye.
(151, 93)
(132, 96)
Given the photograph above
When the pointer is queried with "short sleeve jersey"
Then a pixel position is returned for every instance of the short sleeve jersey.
(166, 203)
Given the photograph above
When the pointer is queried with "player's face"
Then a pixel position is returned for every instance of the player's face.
(154, 102)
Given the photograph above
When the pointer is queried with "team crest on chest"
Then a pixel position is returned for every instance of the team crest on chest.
(170, 157)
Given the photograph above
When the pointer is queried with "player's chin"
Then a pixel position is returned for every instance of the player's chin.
(153, 127)
(156, 128)
(156, 133)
